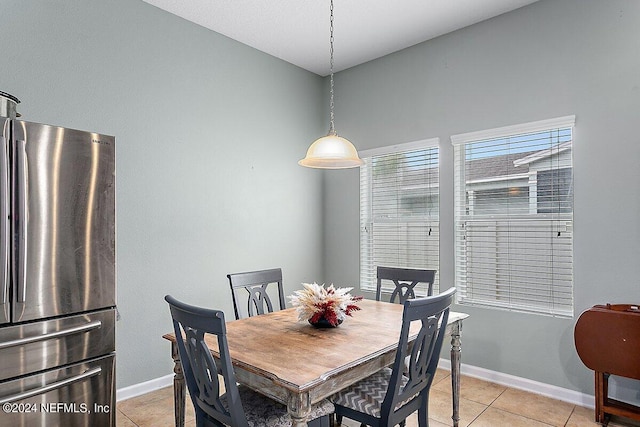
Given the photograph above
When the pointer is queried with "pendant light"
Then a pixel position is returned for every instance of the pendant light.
(331, 151)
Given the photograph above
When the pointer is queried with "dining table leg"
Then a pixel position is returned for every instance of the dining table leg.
(299, 408)
(178, 387)
(455, 371)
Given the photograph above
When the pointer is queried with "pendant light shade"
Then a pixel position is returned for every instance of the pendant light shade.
(331, 151)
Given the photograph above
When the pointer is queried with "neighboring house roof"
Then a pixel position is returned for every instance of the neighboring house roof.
(492, 167)
(508, 166)
(543, 154)
(497, 168)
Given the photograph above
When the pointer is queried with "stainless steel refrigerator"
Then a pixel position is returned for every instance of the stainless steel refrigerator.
(57, 274)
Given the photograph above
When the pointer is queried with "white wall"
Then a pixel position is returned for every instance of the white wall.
(550, 59)
(208, 135)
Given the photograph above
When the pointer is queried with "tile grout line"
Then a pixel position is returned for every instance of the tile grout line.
(478, 416)
(570, 415)
(487, 407)
(127, 417)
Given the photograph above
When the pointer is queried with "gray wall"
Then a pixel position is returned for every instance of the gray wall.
(549, 59)
(208, 135)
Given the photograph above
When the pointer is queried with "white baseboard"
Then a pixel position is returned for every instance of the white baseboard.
(520, 383)
(143, 388)
(525, 384)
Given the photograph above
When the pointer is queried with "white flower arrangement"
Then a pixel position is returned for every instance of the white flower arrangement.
(314, 303)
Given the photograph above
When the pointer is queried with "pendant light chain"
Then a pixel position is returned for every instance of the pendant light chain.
(332, 130)
(331, 151)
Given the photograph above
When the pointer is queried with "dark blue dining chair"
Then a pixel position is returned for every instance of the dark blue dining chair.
(389, 396)
(239, 406)
(253, 287)
(405, 280)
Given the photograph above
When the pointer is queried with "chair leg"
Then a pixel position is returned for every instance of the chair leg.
(423, 416)
(323, 421)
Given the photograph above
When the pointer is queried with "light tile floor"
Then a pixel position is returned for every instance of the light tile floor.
(482, 404)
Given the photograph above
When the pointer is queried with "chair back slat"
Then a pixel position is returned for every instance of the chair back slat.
(203, 367)
(258, 301)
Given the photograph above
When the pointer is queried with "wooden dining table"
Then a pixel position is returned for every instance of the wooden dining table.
(298, 365)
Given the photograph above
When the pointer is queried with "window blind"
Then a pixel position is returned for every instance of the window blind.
(514, 217)
(399, 208)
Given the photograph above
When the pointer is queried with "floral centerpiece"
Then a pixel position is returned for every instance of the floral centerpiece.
(324, 307)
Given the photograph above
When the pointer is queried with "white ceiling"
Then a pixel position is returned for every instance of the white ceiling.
(297, 31)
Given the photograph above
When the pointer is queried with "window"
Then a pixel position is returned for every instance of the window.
(399, 209)
(514, 217)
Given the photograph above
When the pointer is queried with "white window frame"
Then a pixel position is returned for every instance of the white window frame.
(541, 295)
(367, 261)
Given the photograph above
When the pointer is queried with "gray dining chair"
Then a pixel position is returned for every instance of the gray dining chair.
(389, 396)
(253, 287)
(239, 406)
(405, 280)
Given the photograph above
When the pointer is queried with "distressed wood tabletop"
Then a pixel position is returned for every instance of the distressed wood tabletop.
(298, 356)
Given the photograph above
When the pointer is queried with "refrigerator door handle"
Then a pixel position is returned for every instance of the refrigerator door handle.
(47, 336)
(59, 384)
(23, 212)
(4, 224)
